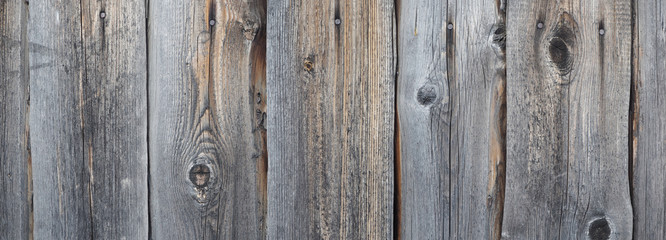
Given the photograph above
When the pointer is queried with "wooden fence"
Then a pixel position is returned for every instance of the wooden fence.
(332, 119)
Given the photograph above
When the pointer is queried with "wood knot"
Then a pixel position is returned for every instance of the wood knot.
(560, 55)
(250, 29)
(427, 94)
(308, 65)
(498, 37)
(599, 229)
(199, 175)
(561, 45)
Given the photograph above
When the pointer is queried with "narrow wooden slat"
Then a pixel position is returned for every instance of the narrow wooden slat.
(451, 105)
(61, 177)
(88, 112)
(15, 161)
(206, 124)
(330, 83)
(115, 116)
(568, 71)
(649, 120)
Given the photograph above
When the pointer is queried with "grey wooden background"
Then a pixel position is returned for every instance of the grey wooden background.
(332, 119)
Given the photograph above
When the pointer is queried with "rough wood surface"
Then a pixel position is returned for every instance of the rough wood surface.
(57, 69)
(115, 116)
(208, 166)
(648, 127)
(15, 165)
(568, 65)
(88, 82)
(451, 109)
(330, 83)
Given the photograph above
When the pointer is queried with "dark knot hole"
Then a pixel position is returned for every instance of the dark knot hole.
(426, 94)
(199, 175)
(600, 229)
(560, 55)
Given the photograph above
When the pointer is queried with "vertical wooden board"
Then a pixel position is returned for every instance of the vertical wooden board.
(207, 105)
(115, 117)
(451, 108)
(15, 165)
(476, 106)
(568, 65)
(57, 69)
(649, 120)
(330, 83)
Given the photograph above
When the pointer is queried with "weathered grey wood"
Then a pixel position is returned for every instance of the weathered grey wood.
(568, 71)
(207, 168)
(649, 120)
(451, 105)
(61, 175)
(89, 116)
(115, 116)
(330, 83)
(15, 165)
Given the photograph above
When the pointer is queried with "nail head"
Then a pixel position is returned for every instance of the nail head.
(337, 21)
(211, 22)
(102, 14)
(540, 25)
(602, 31)
(450, 26)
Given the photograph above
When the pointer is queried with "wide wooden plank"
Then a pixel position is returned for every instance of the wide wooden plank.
(451, 106)
(568, 71)
(15, 165)
(330, 83)
(115, 116)
(648, 125)
(61, 176)
(206, 123)
(89, 115)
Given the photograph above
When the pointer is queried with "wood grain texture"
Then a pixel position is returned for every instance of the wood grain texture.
(89, 112)
(61, 175)
(15, 159)
(649, 120)
(451, 104)
(115, 116)
(567, 120)
(330, 83)
(207, 168)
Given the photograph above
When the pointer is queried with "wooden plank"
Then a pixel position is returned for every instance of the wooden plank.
(57, 70)
(451, 104)
(15, 162)
(330, 83)
(568, 65)
(115, 116)
(89, 116)
(207, 105)
(648, 125)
